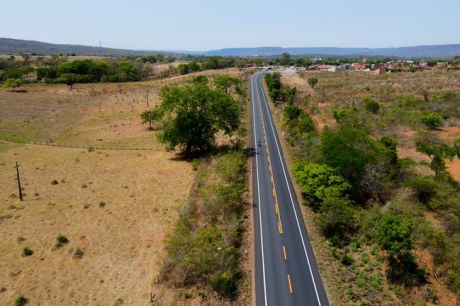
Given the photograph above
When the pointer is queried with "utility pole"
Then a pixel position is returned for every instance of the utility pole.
(19, 181)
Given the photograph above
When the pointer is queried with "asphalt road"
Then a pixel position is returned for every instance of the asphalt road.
(286, 269)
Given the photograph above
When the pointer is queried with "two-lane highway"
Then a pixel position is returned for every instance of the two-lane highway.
(286, 270)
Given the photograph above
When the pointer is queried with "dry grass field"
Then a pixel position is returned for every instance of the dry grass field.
(114, 206)
(349, 88)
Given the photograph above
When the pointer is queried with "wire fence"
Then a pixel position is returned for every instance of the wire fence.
(89, 147)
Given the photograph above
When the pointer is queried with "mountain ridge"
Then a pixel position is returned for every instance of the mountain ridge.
(15, 46)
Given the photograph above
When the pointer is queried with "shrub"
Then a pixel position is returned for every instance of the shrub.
(78, 254)
(21, 301)
(432, 120)
(61, 240)
(424, 188)
(347, 260)
(291, 112)
(101, 204)
(312, 81)
(195, 164)
(27, 251)
(337, 219)
(453, 280)
(54, 182)
(226, 283)
(371, 105)
(319, 181)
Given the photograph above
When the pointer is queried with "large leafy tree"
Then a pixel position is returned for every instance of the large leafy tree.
(194, 113)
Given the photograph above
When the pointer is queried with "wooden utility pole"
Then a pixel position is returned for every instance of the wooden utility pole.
(19, 181)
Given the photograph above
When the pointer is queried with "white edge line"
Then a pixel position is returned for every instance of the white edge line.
(258, 189)
(292, 201)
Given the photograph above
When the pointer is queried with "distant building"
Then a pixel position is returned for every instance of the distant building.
(379, 71)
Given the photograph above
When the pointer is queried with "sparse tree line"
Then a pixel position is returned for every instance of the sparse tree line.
(205, 248)
(353, 180)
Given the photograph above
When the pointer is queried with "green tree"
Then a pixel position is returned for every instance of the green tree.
(319, 182)
(291, 113)
(349, 150)
(432, 120)
(394, 234)
(337, 219)
(127, 71)
(69, 79)
(12, 83)
(288, 94)
(151, 116)
(224, 82)
(312, 81)
(425, 188)
(194, 113)
(275, 95)
(438, 153)
(285, 59)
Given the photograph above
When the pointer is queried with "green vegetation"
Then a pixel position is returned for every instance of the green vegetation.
(432, 120)
(319, 182)
(205, 247)
(312, 82)
(192, 115)
(376, 209)
(61, 240)
(26, 251)
(21, 301)
(12, 83)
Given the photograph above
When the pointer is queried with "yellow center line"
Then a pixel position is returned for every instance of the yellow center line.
(284, 251)
(290, 285)
(280, 225)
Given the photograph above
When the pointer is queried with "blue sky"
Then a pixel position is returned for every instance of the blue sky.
(215, 24)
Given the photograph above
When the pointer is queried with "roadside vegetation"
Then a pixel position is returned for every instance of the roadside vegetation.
(391, 222)
(204, 253)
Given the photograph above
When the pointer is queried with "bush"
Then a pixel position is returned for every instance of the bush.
(312, 81)
(425, 188)
(61, 240)
(226, 284)
(54, 182)
(432, 120)
(27, 251)
(291, 113)
(453, 280)
(318, 182)
(78, 254)
(371, 105)
(347, 260)
(337, 219)
(21, 301)
(350, 150)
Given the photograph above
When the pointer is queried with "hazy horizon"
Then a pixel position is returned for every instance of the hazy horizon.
(209, 25)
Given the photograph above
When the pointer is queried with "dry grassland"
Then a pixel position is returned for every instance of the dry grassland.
(115, 206)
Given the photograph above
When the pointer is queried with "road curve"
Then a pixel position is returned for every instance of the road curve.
(286, 269)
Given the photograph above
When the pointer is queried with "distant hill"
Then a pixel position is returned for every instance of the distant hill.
(429, 51)
(15, 46)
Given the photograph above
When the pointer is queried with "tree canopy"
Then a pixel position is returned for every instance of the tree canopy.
(12, 83)
(194, 113)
